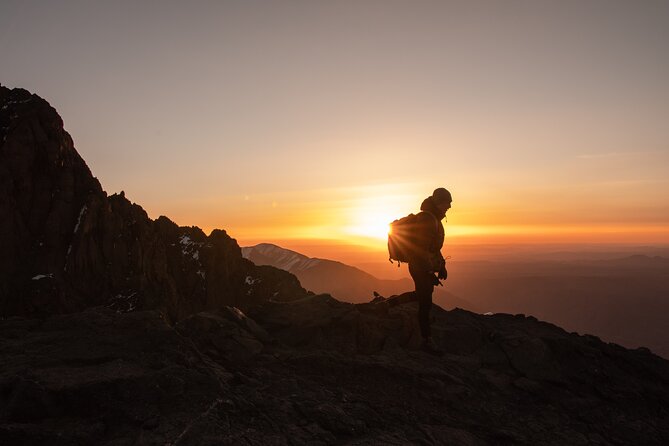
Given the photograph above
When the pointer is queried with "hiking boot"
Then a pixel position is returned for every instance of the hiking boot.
(431, 347)
(377, 299)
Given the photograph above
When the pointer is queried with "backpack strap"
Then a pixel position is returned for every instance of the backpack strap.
(436, 221)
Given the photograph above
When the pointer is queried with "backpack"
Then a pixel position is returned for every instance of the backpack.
(403, 238)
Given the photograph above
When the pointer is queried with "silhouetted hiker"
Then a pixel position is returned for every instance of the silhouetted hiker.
(426, 264)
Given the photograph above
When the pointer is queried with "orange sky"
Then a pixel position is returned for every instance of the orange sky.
(360, 215)
(302, 120)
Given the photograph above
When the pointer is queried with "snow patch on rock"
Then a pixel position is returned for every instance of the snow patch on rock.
(124, 302)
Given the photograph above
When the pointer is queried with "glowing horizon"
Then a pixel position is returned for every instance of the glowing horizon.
(360, 216)
(611, 234)
(328, 120)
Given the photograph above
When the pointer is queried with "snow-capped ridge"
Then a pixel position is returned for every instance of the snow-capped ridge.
(282, 258)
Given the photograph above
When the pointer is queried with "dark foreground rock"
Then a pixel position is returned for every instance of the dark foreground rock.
(318, 371)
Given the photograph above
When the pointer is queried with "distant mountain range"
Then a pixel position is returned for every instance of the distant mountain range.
(291, 261)
(621, 299)
(344, 282)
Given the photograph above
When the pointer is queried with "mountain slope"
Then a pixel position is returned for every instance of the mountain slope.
(344, 282)
(291, 261)
(65, 245)
(622, 300)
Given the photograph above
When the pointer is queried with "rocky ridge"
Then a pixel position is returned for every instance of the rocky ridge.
(212, 349)
(291, 261)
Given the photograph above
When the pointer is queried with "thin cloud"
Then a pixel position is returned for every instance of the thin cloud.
(619, 154)
(588, 156)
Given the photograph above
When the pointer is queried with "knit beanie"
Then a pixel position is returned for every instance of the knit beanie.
(441, 195)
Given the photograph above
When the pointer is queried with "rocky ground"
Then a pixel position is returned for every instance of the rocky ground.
(318, 371)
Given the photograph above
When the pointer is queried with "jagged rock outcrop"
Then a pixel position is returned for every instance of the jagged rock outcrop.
(65, 245)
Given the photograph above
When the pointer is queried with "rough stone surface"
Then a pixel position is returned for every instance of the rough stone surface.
(319, 371)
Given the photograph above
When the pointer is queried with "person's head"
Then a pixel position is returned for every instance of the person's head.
(442, 199)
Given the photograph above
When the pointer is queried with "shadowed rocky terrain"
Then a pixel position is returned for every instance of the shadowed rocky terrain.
(121, 330)
(319, 371)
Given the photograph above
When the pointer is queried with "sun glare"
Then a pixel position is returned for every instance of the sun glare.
(371, 217)
(372, 225)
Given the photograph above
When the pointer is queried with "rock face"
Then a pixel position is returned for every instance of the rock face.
(116, 329)
(65, 245)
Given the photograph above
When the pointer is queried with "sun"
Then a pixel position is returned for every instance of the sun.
(373, 221)
(370, 224)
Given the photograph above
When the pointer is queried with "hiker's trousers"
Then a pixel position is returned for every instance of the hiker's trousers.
(424, 282)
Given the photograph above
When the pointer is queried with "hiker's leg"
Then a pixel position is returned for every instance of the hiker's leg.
(424, 282)
(424, 295)
(424, 306)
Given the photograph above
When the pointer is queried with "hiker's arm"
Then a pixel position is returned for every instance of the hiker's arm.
(443, 273)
